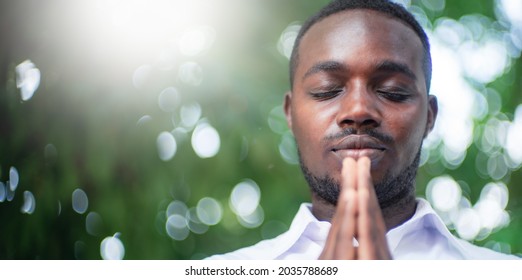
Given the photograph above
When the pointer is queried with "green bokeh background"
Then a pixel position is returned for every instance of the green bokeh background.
(87, 107)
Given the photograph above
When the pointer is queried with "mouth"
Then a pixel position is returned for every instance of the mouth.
(357, 146)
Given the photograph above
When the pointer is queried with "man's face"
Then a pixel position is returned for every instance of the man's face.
(359, 90)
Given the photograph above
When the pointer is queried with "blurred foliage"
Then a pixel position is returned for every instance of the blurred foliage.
(81, 129)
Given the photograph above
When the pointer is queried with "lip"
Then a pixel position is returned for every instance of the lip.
(357, 146)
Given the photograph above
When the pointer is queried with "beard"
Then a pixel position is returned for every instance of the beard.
(390, 191)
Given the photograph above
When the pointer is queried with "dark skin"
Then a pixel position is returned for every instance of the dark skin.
(359, 70)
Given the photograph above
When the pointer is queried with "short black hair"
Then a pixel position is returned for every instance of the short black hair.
(383, 6)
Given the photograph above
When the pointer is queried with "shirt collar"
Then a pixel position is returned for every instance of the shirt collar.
(424, 217)
(303, 223)
(306, 223)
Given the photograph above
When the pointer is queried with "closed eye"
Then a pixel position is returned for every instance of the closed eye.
(326, 95)
(394, 95)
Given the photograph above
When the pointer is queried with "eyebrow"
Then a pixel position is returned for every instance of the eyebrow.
(383, 66)
(397, 67)
(325, 66)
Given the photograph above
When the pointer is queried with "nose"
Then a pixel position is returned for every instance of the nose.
(358, 110)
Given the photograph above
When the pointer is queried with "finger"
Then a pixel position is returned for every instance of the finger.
(365, 184)
(348, 211)
(364, 225)
(330, 246)
(365, 199)
(371, 226)
(335, 247)
(368, 201)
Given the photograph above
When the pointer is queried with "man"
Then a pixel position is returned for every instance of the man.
(359, 109)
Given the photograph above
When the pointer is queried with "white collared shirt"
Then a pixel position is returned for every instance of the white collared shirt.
(423, 237)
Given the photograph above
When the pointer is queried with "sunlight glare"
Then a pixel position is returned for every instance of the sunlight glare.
(195, 41)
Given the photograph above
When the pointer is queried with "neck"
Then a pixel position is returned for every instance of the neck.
(393, 215)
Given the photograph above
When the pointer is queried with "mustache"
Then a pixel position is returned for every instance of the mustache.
(383, 137)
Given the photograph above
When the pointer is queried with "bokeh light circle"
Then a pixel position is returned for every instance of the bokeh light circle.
(245, 197)
(254, 219)
(176, 227)
(176, 207)
(205, 140)
(29, 203)
(3, 192)
(80, 202)
(190, 114)
(468, 224)
(209, 211)
(27, 79)
(288, 148)
(14, 178)
(93, 224)
(167, 146)
(169, 99)
(191, 73)
(443, 193)
(194, 223)
(111, 248)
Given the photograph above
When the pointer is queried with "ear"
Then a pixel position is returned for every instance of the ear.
(287, 106)
(433, 110)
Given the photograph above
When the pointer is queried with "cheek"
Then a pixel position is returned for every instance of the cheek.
(310, 125)
(306, 129)
(408, 127)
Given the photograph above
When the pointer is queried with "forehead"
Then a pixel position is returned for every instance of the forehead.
(362, 34)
